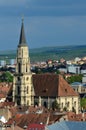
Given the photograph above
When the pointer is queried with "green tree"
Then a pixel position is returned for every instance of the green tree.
(75, 78)
(57, 72)
(65, 109)
(83, 103)
(55, 105)
(6, 77)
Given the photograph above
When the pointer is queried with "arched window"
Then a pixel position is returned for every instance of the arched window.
(19, 67)
(26, 67)
(27, 90)
(45, 104)
(18, 90)
(22, 52)
(68, 104)
(27, 102)
(36, 104)
(27, 78)
(75, 104)
(18, 78)
(62, 104)
(18, 101)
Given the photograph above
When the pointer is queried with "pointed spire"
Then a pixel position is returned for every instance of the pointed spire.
(22, 40)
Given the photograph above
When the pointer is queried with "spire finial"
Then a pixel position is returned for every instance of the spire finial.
(22, 18)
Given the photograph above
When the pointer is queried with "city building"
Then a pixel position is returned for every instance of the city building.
(74, 69)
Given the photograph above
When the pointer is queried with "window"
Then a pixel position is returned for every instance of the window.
(62, 104)
(27, 102)
(27, 78)
(68, 104)
(26, 67)
(45, 104)
(18, 90)
(75, 104)
(27, 90)
(19, 67)
(18, 78)
(24, 89)
(22, 52)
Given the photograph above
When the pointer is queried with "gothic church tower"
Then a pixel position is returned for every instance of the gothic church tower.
(23, 92)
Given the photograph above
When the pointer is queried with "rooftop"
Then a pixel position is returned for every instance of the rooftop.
(52, 85)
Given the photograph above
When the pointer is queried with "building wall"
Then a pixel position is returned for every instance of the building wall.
(65, 102)
(84, 79)
(83, 71)
(22, 85)
(73, 69)
(69, 103)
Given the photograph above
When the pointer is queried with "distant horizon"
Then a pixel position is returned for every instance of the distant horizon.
(48, 47)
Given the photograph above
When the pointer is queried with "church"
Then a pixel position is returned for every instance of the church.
(39, 89)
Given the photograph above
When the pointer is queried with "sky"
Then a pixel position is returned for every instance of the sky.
(46, 22)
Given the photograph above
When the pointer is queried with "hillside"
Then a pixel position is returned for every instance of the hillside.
(42, 54)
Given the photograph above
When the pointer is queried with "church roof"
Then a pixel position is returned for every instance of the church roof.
(52, 85)
(22, 41)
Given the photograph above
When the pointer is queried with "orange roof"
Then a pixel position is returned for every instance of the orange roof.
(76, 117)
(5, 104)
(46, 117)
(64, 89)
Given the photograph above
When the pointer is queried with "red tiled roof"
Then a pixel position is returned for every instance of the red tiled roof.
(5, 104)
(15, 128)
(76, 117)
(38, 126)
(33, 109)
(2, 95)
(27, 119)
(52, 85)
(4, 89)
(18, 109)
(46, 117)
(64, 89)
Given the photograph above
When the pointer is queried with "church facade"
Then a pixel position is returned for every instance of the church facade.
(40, 89)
